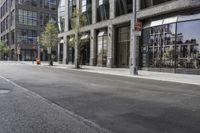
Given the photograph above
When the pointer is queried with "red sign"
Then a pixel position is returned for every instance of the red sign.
(138, 26)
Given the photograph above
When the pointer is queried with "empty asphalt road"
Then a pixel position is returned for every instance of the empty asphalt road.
(48, 100)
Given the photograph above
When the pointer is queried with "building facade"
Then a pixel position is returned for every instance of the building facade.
(22, 21)
(170, 39)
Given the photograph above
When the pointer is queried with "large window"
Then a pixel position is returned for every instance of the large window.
(50, 4)
(188, 44)
(123, 7)
(27, 36)
(61, 15)
(175, 45)
(86, 9)
(12, 18)
(149, 3)
(102, 10)
(72, 9)
(28, 2)
(27, 17)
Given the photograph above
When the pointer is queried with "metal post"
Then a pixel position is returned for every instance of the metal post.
(134, 70)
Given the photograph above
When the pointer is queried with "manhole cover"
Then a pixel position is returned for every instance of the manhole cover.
(4, 91)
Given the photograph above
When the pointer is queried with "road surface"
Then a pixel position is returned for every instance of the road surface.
(48, 100)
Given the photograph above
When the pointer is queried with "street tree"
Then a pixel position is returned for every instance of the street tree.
(78, 20)
(49, 38)
(4, 50)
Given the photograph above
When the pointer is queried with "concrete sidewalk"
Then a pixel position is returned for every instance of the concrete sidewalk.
(160, 76)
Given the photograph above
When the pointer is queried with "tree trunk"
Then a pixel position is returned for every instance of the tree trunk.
(50, 60)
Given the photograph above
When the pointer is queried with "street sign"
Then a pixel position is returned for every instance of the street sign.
(138, 29)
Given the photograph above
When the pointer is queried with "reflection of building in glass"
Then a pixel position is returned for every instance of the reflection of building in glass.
(165, 45)
(172, 46)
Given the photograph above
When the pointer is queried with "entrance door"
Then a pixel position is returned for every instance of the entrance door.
(124, 61)
(123, 46)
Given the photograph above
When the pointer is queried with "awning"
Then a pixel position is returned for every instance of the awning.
(170, 20)
(85, 36)
(61, 41)
(175, 19)
(71, 39)
(156, 23)
(101, 33)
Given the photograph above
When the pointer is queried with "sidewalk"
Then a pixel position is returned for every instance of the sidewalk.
(160, 76)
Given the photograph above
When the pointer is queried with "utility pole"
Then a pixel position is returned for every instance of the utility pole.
(134, 70)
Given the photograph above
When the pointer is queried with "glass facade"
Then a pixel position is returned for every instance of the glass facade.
(188, 45)
(173, 46)
(61, 15)
(27, 17)
(26, 36)
(102, 10)
(28, 2)
(123, 7)
(150, 3)
(50, 4)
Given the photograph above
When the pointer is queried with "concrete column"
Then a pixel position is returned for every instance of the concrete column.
(76, 38)
(65, 51)
(94, 11)
(112, 9)
(93, 48)
(110, 53)
(66, 15)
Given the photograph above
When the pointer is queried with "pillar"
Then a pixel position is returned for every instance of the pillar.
(66, 15)
(65, 51)
(94, 11)
(93, 48)
(112, 9)
(110, 54)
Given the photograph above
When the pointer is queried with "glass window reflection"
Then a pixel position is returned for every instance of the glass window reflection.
(123, 7)
(188, 44)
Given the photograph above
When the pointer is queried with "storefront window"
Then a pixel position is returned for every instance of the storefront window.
(123, 7)
(102, 45)
(71, 51)
(123, 46)
(188, 44)
(85, 49)
(175, 45)
(161, 46)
